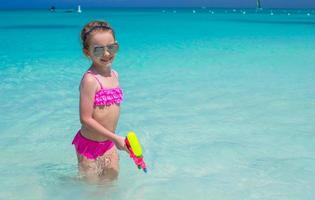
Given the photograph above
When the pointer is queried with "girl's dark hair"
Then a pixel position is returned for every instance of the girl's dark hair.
(92, 27)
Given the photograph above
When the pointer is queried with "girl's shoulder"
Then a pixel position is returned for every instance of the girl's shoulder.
(88, 80)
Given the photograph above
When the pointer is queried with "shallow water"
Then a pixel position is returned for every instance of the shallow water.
(223, 103)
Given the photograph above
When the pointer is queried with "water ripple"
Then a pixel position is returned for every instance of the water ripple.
(38, 26)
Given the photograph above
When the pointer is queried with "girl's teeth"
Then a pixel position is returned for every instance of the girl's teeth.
(105, 60)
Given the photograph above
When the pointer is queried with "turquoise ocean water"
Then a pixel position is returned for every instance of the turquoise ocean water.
(222, 101)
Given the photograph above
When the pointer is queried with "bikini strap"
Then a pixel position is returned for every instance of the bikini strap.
(116, 74)
(99, 82)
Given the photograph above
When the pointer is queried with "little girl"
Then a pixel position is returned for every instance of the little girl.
(100, 98)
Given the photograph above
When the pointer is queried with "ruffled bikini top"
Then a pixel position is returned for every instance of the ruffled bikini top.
(107, 96)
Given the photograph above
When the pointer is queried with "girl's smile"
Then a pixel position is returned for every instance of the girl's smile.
(106, 60)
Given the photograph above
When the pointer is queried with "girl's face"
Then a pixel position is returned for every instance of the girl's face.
(102, 48)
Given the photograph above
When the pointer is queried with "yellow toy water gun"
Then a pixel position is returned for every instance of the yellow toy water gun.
(135, 150)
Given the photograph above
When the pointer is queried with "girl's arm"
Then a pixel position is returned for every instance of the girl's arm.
(87, 92)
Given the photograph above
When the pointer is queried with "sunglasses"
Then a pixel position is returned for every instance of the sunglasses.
(98, 51)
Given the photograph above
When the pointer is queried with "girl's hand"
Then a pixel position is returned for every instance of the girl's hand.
(120, 143)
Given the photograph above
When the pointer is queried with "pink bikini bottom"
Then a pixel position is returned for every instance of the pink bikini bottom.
(89, 148)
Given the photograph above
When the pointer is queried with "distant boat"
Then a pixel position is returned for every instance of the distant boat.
(258, 5)
(69, 11)
(79, 9)
(52, 9)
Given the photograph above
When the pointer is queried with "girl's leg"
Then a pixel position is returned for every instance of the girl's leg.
(88, 169)
(109, 163)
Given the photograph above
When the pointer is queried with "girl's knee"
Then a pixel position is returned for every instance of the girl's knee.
(111, 174)
(110, 164)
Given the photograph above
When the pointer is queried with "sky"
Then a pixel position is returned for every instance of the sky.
(155, 3)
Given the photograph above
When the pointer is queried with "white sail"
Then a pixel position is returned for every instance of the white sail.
(258, 4)
(79, 9)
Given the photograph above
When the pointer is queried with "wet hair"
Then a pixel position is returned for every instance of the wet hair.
(91, 27)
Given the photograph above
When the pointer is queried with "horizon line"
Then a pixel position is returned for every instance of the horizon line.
(150, 7)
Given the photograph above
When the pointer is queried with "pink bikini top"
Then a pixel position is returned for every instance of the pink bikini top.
(107, 96)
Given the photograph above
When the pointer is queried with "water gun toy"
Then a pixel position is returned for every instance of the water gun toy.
(135, 150)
